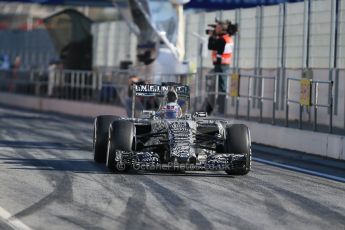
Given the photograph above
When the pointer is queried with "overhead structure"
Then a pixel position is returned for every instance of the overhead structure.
(200, 4)
(71, 34)
(226, 4)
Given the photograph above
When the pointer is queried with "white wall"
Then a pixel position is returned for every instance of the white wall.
(247, 36)
(322, 144)
(191, 41)
(339, 120)
(341, 36)
(294, 35)
(320, 30)
(270, 37)
(113, 42)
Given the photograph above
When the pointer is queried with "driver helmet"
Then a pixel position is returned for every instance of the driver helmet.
(171, 110)
(172, 96)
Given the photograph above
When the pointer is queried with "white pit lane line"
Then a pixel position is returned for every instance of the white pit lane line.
(294, 168)
(12, 221)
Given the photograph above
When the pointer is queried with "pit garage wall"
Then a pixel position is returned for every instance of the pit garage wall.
(34, 47)
(279, 41)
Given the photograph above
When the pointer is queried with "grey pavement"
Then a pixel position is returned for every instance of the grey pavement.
(49, 181)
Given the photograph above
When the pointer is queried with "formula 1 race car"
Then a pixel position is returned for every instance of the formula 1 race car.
(190, 142)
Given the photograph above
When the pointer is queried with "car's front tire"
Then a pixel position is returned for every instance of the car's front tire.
(237, 141)
(100, 137)
(121, 133)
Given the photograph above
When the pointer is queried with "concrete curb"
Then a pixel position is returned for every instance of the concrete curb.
(323, 144)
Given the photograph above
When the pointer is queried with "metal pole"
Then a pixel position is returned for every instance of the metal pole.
(89, 85)
(216, 92)
(226, 95)
(306, 50)
(306, 29)
(332, 38)
(100, 85)
(83, 86)
(133, 101)
(331, 108)
(79, 87)
(236, 63)
(283, 55)
(274, 102)
(65, 89)
(202, 83)
(54, 83)
(316, 93)
(261, 97)
(94, 78)
(237, 106)
(256, 52)
(300, 116)
(332, 57)
(237, 41)
(248, 100)
(198, 75)
(287, 103)
(72, 85)
(76, 85)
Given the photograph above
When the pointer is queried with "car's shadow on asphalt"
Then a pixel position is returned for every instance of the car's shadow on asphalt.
(42, 164)
(168, 173)
(89, 166)
(44, 145)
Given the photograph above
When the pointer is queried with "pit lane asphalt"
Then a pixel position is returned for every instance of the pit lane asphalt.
(49, 181)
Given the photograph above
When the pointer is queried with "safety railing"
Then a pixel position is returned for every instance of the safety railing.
(212, 81)
(236, 90)
(110, 86)
(261, 97)
(105, 87)
(309, 97)
(15, 81)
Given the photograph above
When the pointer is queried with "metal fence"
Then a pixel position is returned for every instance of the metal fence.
(241, 89)
(109, 86)
(281, 40)
(91, 86)
(309, 97)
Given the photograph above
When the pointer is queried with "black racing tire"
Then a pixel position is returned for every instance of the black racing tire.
(121, 133)
(237, 140)
(100, 137)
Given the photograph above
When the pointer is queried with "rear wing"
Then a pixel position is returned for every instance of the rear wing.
(155, 90)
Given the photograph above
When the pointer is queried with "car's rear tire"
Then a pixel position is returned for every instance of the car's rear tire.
(100, 137)
(121, 133)
(238, 141)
